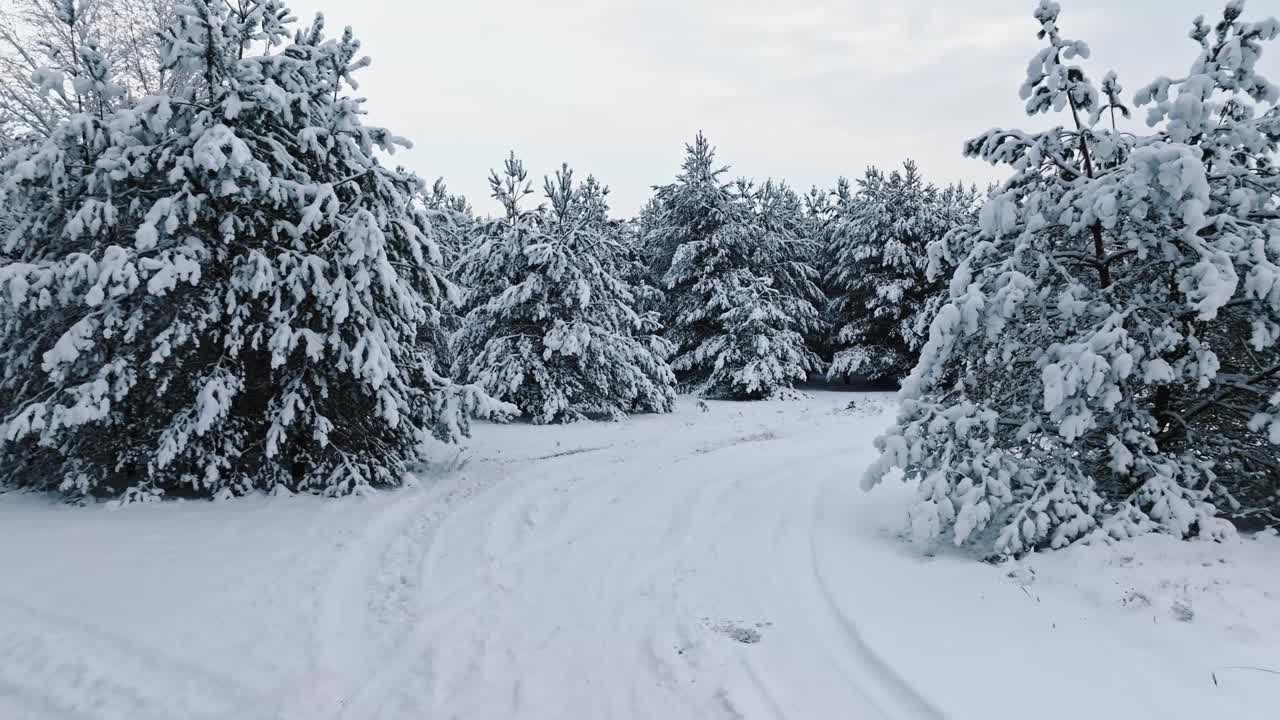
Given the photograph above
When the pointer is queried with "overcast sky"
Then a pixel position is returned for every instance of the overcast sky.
(806, 90)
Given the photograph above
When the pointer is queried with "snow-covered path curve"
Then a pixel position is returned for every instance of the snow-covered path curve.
(610, 580)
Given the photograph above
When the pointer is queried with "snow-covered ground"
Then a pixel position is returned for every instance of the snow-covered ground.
(718, 562)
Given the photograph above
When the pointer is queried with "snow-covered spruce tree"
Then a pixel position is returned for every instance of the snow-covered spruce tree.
(551, 328)
(880, 294)
(739, 290)
(1108, 362)
(225, 290)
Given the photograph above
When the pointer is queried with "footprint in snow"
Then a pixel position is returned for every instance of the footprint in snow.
(744, 635)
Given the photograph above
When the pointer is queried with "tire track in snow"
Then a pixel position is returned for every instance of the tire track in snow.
(573, 586)
(65, 667)
(23, 702)
(658, 567)
(909, 703)
(355, 600)
(438, 609)
(766, 536)
(760, 541)
(697, 519)
(505, 547)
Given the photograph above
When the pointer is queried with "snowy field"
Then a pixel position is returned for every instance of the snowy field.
(719, 562)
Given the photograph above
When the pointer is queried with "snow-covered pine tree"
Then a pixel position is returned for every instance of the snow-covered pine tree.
(625, 254)
(224, 290)
(550, 326)
(793, 266)
(1108, 361)
(739, 291)
(821, 210)
(957, 216)
(452, 220)
(880, 295)
(452, 225)
(637, 260)
(589, 204)
(692, 208)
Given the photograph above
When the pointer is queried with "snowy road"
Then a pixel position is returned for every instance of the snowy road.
(711, 564)
(608, 580)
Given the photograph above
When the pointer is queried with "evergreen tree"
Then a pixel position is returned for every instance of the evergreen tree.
(550, 327)
(693, 208)
(223, 290)
(453, 224)
(637, 259)
(1108, 359)
(739, 291)
(880, 294)
(822, 208)
(793, 266)
(452, 220)
(957, 214)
